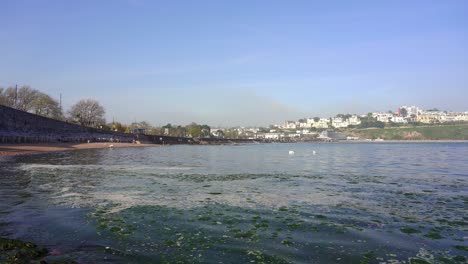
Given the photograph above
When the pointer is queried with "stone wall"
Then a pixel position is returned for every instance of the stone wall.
(21, 127)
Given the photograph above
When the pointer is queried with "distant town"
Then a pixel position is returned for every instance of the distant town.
(334, 127)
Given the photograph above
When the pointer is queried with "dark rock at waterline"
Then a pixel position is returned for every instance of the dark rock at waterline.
(17, 251)
(58, 260)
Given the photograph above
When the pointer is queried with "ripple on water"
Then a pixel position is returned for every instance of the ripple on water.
(350, 203)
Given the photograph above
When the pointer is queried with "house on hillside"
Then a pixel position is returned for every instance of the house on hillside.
(354, 120)
(339, 122)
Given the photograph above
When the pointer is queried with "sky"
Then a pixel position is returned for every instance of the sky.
(238, 63)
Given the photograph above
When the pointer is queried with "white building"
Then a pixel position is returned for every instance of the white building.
(338, 122)
(307, 132)
(290, 125)
(304, 125)
(382, 117)
(354, 120)
(460, 116)
(398, 119)
(274, 136)
(411, 110)
(322, 123)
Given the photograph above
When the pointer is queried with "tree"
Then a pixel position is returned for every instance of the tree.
(205, 131)
(88, 112)
(231, 134)
(21, 99)
(25, 99)
(144, 124)
(45, 105)
(220, 133)
(316, 119)
(194, 130)
(141, 127)
(3, 100)
(403, 112)
(31, 100)
(179, 131)
(119, 127)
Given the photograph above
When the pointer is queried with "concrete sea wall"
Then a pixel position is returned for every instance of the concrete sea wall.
(21, 127)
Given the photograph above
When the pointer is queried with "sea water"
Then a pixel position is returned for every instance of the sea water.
(327, 203)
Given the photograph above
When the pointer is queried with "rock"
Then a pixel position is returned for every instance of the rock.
(17, 251)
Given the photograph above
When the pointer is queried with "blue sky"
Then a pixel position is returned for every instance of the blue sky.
(238, 62)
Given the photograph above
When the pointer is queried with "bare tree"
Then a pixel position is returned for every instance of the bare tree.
(88, 112)
(30, 100)
(24, 98)
(47, 106)
(8, 97)
(2, 96)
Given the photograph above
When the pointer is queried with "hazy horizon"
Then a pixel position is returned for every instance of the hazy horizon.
(248, 63)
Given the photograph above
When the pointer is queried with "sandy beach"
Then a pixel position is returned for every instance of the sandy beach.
(23, 149)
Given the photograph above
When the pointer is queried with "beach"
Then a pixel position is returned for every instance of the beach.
(23, 149)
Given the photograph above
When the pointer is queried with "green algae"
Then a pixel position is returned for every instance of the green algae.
(462, 248)
(257, 256)
(217, 228)
(17, 251)
(248, 234)
(433, 235)
(460, 259)
(319, 216)
(205, 218)
(263, 224)
(409, 230)
(367, 257)
(418, 261)
(294, 225)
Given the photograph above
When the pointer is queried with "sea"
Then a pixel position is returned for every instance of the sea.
(253, 203)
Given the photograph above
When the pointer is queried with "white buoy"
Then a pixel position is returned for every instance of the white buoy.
(291, 152)
(313, 152)
(111, 146)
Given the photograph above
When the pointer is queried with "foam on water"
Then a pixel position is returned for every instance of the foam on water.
(368, 191)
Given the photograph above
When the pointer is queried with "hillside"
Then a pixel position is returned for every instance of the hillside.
(443, 132)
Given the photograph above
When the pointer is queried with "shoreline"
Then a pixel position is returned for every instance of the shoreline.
(26, 149)
(408, 141)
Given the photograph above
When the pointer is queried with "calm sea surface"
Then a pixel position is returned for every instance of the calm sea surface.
(347, 203)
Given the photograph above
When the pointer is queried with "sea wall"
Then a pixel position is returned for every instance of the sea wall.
(21, 127)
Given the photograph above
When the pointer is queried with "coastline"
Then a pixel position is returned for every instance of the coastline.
(409, 141)
(25, 149)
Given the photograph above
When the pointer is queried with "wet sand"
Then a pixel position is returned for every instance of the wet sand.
(23, 149)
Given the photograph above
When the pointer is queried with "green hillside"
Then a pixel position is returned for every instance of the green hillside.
(447, 132)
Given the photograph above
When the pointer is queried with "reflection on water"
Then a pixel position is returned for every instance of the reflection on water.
(352, 202)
